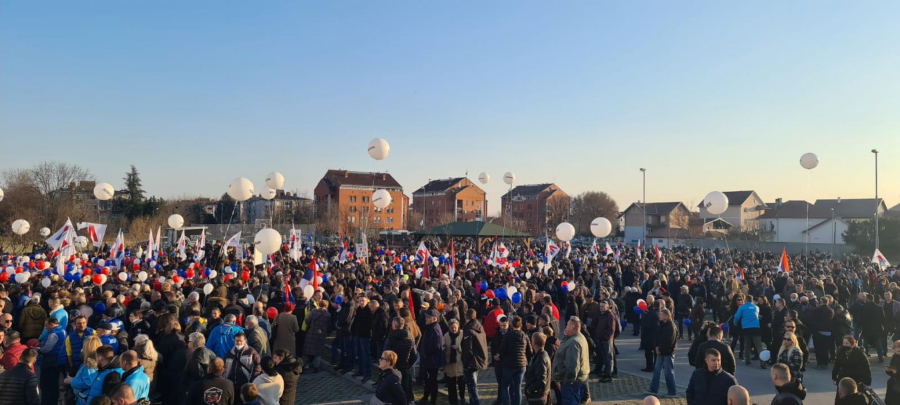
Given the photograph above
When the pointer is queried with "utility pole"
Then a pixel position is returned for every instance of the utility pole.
(644, 207)
(875, 151)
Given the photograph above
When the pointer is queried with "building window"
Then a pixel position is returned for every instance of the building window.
(352, 198)
(377, 220)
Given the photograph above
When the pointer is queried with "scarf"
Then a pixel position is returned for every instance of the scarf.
(454, 353)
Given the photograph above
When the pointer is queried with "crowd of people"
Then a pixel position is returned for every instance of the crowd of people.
(213, 328)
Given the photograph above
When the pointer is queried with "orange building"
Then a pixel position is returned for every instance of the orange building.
(450, 200)
(348, 195)
(528, 206)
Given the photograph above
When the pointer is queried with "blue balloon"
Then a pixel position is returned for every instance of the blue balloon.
(324, 278)
(516, 298)
(638, 310)
(484, 286)
(687, 322)
(101, 308)
(500, 293)
(339, 300)
(724, 327)
(624, 324)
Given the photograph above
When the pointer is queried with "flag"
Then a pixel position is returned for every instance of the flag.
(95, 232)
(363, 251)
(343, 250)
(495, 250)
(312, 274)
(295, 244)
(568, 249)
(117, 252)
(504, 252)
(412, 310)
(56, 239)
(159, 247)
(422, 255)
(150, 245)
(288, 295)
(551, 252)
(880, 260)
(608, 250)
(233, 241)
(740, 271)
(784, 265)
(594, 250)
(618, 254)
(199, 253)
(658, 255)
(452, 270)
(257, 257)
(67, 248)
(639, 249)
(182, 246)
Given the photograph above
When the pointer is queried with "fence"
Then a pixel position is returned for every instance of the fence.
(774, 247)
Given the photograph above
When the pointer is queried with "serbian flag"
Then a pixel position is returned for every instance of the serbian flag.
(118, 249)
(784, 265)
(422, 255)
(295, 245)
(288, 295)
(618, 254)
(740, 271)
(312, 274)
(411, 308)
(551, 252)
(150, 245)
(198, 247)
(159, 247)
(343, 256)
(568, 249)
(182, 246)
(95, 231)
(452, 270)
(658, 255)
(56, 239)
(639, 249)
(608, 250)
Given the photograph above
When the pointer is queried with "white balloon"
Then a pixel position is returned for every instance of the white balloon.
(303, 283)
(381, 198)
(207, 289)
(81, 242)
(213, 274)
(103, 279)
(176, 221)
(379, 149)
(716, 202)
(565, 231)
(20, 227)
(162, 279)
(435, 261)
(240, 189)
(46, 265)
(46, 282)
(308, 291)
(45, 232)
(104, 191)
(509, 178)
(22, 277)
(601, 227)
(123, 276)
(275, 180)
(267, 241)
(528, 275)
(540, 265)
(765, 355)
(559, 271)
(511, 290)
(267, 193)
(484, 178)
(809, 161)
(142, 276)
(1, 194)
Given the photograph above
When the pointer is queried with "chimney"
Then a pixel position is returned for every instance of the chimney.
(777, 203)
(346, 174)
(839, 200)
(383, 176)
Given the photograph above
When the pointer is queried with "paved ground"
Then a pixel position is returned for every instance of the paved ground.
(327, 387)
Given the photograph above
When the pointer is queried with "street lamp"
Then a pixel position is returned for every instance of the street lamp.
(644, 206)
(875, 151)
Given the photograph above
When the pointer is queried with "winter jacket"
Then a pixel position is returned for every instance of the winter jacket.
(851, 362)
(242, 366)
(431, 348)
(11, 355)
(285, 330)
(362, 323)
(794, 360)
(708, 387)
(454, 365)
(857, 398)
(197, 364)
(537, 376)
(571, 363)
(649, 326)
(31, 321)
(317, 323)
(81, 383)
(209, 391)
(290, 369)
(97, 386)
(747, 316)
(788, 394)
(256, 338)
(388, 388)
(19, 385)
(667, 338)
(605, 325)
(221, 339)
(270, 387)
(474, 347)
(515, 349)
(399, 342)
(138, 381)
(727, 355)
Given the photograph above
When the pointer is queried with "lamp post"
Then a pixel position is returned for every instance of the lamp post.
(644, 206)
(833, 232)
(875, 151)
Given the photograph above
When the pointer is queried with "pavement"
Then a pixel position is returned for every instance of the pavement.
(329, 387)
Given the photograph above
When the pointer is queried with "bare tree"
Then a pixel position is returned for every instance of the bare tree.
(590, 205)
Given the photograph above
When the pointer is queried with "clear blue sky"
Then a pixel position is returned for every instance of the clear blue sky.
(705, 95)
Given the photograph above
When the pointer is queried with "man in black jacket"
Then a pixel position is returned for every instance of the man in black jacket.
(474, 353)
(515, 350)
(649, 325)
(710, 384)
(212, 389)
(666, 342)
(715, 342)
(19, 385)
(361, 329)
(400, 342)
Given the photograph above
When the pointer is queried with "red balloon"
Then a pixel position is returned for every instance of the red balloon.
(30, 265)
(245, 276)
(97, 279)
(642, 305)
(396, 260)
(72, 258)
(19, 269)
(190, 273)
(490, 294)
(272, 313)
(176, 279)
(4, 276)
(105, 270)
(227, 277)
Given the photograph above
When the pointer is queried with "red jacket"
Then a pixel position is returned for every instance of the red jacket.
(11, 356)
(491, 325)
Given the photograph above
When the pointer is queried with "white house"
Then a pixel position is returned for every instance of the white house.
(787, 223)
(854, 209)
(744, 207)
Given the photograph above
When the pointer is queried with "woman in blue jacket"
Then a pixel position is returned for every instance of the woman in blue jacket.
(105, 367)
(87, 373)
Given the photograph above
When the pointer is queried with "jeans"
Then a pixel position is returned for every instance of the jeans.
(472, 386)
(572, 393)
(364, 356)
(752, 339)
(665, 363)
(605, 357)
(511, 387)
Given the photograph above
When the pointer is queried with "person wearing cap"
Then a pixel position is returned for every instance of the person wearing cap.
(104, 332)
(496, 341)
(431, 349)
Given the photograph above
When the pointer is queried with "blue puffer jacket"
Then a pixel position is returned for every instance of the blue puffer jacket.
(221, 339)
(82, 382)
(139, 382)
(97, 386)
(747, 316)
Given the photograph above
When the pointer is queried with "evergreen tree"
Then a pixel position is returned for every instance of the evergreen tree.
(224, 209)
(134, 195)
